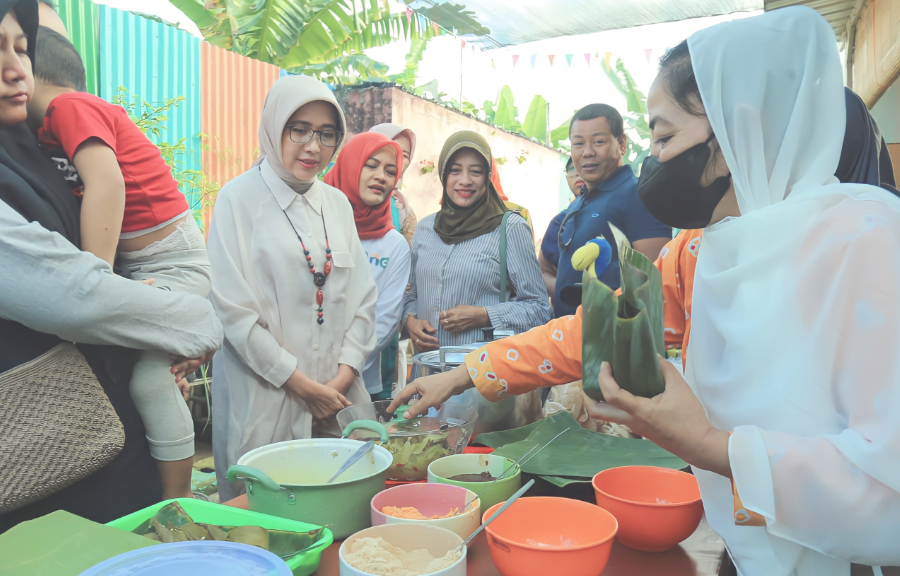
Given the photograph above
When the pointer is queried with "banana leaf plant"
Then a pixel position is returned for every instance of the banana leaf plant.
(294, 34)
(626, 330)
(636, 125)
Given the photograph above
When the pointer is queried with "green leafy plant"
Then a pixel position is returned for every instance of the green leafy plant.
(408, 77)
(427, 166)
(506, 115)
(535, 125)
(453, 17)
(561, 133)
(296, 35)
(346, 70)
(151, 118)
(636, 125)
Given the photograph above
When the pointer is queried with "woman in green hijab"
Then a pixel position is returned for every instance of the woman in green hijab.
(455, 284)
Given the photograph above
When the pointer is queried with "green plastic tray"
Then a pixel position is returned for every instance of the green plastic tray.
(210, 513)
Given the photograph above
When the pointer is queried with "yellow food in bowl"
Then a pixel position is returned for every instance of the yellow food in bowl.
(411, 513)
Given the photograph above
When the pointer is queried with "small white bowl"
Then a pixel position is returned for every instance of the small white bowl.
(430, 500)
(409, 537)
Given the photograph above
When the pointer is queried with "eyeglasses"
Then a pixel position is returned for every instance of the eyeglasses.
(303, 135)
(567, 233)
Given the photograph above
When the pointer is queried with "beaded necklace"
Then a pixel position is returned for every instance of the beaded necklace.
(319, 278)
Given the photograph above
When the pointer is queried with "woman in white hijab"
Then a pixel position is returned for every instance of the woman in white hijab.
(789, 409)
(406, 219)
(795, 340)
(290, 283)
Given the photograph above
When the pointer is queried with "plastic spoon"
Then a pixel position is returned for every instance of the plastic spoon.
(520, 462)
(363, 450)
(502, 509)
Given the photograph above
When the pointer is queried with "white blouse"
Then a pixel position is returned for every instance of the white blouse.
(264, 294)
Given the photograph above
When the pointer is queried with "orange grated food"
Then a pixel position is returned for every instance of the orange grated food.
(410, 513)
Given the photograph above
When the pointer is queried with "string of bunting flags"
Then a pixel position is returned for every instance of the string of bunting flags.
(589, 58)
(533, 58)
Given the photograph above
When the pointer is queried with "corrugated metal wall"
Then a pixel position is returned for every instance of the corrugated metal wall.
(233, 91)
(82, 19)
(157, 63)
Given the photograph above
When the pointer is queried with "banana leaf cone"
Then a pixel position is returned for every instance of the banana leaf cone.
(626, 331)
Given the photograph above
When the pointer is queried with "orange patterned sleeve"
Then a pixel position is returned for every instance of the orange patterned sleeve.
(551, 354)
(544, 356)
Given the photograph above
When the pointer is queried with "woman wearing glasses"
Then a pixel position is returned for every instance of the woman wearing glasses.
(291, 284)
(456, 272)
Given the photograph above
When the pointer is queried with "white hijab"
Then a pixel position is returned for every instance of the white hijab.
(795, 336)
(285, 97)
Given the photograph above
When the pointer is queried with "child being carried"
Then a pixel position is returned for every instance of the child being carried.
(133, 212)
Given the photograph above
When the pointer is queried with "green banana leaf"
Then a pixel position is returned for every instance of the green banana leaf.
(578, 454)
(172, 524)
(626, 331)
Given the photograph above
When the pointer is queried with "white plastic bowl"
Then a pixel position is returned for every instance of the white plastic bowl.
(409, 537)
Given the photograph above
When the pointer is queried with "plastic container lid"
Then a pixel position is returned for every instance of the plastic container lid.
(198, 558)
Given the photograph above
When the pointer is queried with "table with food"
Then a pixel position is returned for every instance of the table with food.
(591, 504)
(470, 487)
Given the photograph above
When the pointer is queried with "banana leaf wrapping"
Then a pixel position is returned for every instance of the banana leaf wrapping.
(626, 331)
(172, 524)
(577, 455)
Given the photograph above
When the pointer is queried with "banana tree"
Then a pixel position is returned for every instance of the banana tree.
(314, 36)
(636, 119)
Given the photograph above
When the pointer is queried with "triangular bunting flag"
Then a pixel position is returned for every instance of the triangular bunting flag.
(606, 58)
(533, 60)
(569, 59)
(552, 58)
(647, 53)
(436, 28)
(463, 43)
(515, 60)
(409, 14)
(587, 57)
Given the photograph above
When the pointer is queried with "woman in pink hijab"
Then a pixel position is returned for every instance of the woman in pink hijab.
(404, 218)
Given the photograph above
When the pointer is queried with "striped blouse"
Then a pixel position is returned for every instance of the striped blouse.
(468, 273)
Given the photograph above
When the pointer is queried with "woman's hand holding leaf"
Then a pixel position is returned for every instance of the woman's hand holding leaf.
(674, 420)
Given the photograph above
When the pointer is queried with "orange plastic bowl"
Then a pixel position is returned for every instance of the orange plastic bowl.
(540, 536)
(656, 507)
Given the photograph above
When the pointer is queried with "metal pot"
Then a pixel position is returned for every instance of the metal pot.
(505, 414)
(287, 479)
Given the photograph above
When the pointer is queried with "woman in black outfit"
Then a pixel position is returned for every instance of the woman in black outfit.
(51, 292)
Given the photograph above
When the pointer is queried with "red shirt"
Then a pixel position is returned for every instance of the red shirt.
(152, 196)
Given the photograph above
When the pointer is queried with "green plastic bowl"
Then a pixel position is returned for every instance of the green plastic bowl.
(440, 471)
(221, 515)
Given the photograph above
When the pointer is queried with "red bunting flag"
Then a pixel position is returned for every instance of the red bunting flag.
(409, 14)
(436, 28)
(463, 43)
(552, 58)
(515, 60)
(587, 56)
(647, 53)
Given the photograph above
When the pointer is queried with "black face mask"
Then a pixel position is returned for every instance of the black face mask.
(672, 193)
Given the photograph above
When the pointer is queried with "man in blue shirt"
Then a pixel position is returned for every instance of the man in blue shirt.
(548, 257)
(610, 196)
